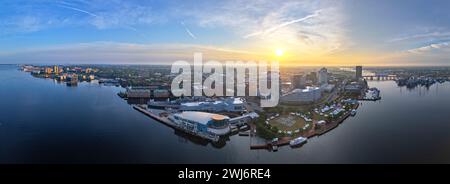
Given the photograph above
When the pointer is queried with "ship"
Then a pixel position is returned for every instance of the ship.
(353, 112)
(297, 141)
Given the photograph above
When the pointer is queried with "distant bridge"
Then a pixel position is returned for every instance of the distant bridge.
(380, 77)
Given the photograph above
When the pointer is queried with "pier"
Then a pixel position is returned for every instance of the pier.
(171, 124)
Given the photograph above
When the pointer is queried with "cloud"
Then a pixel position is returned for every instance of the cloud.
(432, 35)
(122, 53)
(429, 48)
(23, 24)
(32, 16)
(279, 26)
(272, 23)
(300, 27)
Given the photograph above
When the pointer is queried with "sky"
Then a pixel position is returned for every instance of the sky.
(308, 32)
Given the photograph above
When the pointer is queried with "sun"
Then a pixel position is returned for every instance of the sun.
(279, 52)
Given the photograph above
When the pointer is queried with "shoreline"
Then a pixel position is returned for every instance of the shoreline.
(283, 141)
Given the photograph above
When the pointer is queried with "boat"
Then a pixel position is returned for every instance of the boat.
(274, 148)
(244, 127)
(353, 112)
(297, 141)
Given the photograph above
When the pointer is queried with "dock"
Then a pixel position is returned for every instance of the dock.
(281, 142)
(169, 123)
(154, 116)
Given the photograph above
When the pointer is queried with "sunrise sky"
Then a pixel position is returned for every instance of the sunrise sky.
(301, 32)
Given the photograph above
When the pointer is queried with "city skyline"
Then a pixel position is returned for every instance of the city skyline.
(312, 33)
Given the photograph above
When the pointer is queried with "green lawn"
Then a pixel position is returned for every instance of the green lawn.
(288, 122)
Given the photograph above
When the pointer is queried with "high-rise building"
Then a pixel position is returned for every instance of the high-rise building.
(88, 70)
(55, 69)
(312, 77)
(323, 76)
(48, 70)
(299, 81)
(358, 72)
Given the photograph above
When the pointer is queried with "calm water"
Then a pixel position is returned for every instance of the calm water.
(42, 121)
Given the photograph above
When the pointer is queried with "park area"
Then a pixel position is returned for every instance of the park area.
(289, 122)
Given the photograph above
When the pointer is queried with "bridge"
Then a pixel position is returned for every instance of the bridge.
(380, 77)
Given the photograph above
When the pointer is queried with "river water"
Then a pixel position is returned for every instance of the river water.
(42, 121)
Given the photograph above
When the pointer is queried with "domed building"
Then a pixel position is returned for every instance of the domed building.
(202, 122)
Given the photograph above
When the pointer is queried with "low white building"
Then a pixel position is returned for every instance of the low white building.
(227, 105)
(327, 87)
(202, 122)
(241, 120)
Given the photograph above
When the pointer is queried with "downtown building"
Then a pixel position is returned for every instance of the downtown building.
(230, 104)
(302, 96)
(358, 74)
(322, 75)
(202, 123)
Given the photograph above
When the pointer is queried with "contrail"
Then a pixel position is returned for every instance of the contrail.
(78, 10)
(273, 29)
(188, 31)
(65, 5)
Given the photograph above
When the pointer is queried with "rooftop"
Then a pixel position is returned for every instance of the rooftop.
(200, 117)
(308, 89)
(229, 101)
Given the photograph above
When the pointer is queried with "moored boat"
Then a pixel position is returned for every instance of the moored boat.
(353, 112)
(297, 141)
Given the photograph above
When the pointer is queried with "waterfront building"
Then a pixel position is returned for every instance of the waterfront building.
(202, 122)
(72, 80)
(63, 77)
(230, 104)
(78, 70)
(56, 69)
(48, 70)
(358, 70)
(88, 70)
(36, 72)
(138, 93)
(138, 96)
(161, 93)
(308, 95)
(354, 87)
(323, 76)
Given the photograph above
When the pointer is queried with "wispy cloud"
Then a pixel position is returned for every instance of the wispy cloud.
(279, 26)
(415, 37)
(34, 16)
(271, 23)
(429, 48)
